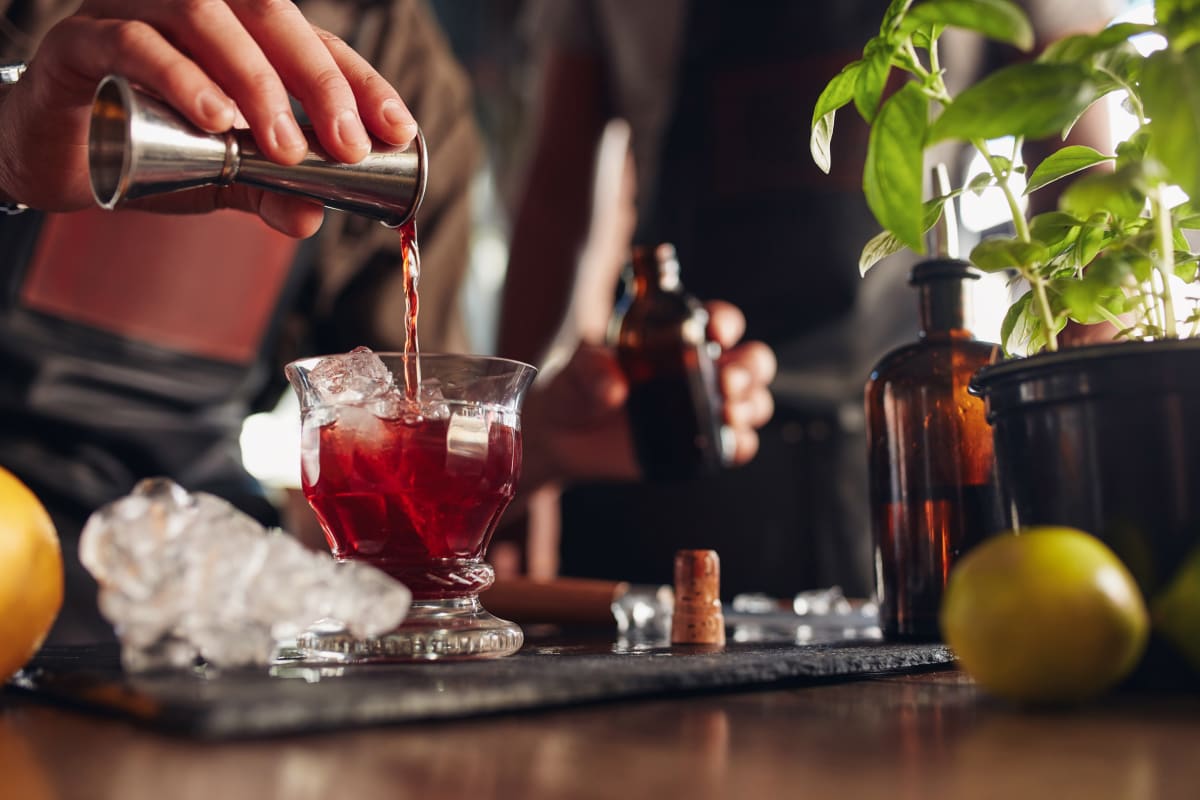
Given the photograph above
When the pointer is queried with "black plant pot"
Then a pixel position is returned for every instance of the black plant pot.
(1104, 438)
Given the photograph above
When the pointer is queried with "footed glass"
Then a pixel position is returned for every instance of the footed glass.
(414, 482)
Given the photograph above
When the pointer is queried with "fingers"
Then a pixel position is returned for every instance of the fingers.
(293, 216)
(746, 374)
(82, 50)
(383, 111)
(726, 323)
(745, 446)
(255, 52)
(305, 65)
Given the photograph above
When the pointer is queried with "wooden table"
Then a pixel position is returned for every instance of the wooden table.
(924, 735)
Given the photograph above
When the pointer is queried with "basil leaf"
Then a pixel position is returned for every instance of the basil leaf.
(894, 169)
(837, 93)
(999, 253)
(895, 12)
(1067, 161)
(885, 243)
(996, 19)
(1080, 49)
(1113, 192)
(1171, 95)
(872, 77)
(1031, 100)
(1052, 227)
(1017, 323)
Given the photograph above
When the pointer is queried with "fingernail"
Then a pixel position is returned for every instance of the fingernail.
(350, 131)
(216, 109)
(287, 134)
(396, 115)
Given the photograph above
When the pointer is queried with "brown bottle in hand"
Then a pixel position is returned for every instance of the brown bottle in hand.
(932, 480)
(675, 407)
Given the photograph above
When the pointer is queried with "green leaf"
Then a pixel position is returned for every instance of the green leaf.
(1080, 49)
(980, 182)
(1091, 240)
(1171, 95)
(1067, 161)
(1114, 193)
(837, 93)
(877, 248)
(1031, 100)
(872, 77)
(996, 19)
(1187, 215)
(999, 253)
(1186, 270)
(1021, 332)
(885, 243)
(894, 169)
(1052, 227)
(925, 36)
(1084, 300)
(1133, 149)
(892, 17)
(1181, 18)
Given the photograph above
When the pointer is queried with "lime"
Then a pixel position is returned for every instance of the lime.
(31, 574)
(1176, 610)
(1047, 615)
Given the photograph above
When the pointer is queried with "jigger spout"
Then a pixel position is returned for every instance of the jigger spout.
(139, 146)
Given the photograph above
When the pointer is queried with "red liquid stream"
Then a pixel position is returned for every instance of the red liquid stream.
(410, 257)
(419, 497)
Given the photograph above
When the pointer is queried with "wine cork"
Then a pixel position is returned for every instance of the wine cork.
(697, 618)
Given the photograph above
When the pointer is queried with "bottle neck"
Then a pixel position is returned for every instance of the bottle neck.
(945, 308)
(656, 278)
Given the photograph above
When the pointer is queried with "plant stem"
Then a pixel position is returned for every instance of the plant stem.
(1021, 226)
(1018, 218)
(1166, 257)
(1043, 300)
(1110, 317)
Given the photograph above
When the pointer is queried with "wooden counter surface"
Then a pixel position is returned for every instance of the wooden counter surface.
(915, 736)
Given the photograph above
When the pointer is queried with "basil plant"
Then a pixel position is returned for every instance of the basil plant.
(1108, 251)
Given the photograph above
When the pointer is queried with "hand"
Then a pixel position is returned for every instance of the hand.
(216, 61)
(574, 422)
(746, 370)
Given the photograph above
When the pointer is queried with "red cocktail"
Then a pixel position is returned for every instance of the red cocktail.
(415, 483)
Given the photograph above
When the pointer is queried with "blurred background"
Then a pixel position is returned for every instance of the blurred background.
(814, 451)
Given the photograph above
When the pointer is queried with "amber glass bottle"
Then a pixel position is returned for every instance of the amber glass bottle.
(932, 479)
(675, 407)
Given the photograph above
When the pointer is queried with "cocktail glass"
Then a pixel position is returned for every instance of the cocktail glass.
(416, 488)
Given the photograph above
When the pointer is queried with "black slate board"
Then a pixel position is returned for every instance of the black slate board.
(305, 698)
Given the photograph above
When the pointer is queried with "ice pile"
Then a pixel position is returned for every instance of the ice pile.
(188, 576)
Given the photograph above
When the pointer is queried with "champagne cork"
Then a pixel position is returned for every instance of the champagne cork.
(697, 618)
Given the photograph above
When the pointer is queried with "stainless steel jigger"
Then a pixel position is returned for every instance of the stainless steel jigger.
(139, 146)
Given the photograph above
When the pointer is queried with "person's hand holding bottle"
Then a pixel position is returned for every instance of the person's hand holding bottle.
(220, 63)
(575, 426)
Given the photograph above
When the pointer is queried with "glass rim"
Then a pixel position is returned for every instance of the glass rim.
(309, 361)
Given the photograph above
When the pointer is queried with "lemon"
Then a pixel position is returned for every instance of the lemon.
(1046, 616)
(31, 574)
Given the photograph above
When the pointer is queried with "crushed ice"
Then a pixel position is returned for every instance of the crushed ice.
(188, 576)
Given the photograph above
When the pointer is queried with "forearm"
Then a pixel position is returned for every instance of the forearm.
(554, 209)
